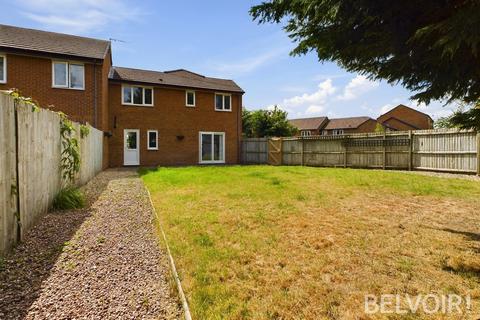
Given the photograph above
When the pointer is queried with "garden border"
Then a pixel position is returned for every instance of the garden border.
(186, 309)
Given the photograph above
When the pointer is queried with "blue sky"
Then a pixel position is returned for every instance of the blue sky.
(217, 38)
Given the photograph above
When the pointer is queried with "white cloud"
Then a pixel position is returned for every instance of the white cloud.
(314, 110)
(78, 16)
(356, 87)
(249, 64)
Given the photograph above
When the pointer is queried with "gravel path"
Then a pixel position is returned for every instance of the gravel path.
(102, 262)
(471, 177)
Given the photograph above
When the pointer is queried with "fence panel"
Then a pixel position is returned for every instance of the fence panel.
(445, 150)
(255, 151)
(436, 150)
(8, 219)
(39, 159)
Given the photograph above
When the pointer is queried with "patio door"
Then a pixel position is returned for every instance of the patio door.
(131, 152)
(212, 147)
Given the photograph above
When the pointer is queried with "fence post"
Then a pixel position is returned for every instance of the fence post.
(410, 150)
(478, 153)
(303, 151)
(384, 150)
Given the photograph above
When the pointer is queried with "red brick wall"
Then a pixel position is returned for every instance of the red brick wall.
(33, 77)
(408, 115)
(172, 118)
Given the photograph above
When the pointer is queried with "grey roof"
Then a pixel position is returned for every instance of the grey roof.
(346, 123)
(51, 42)
(178, 78)
(308, 123)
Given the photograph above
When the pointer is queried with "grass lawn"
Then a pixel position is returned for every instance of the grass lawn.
(261, 242)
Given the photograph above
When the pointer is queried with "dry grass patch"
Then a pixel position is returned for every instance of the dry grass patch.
(263, 242)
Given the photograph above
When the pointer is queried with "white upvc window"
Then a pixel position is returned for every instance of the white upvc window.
(223, 102)
(3, 68)
(137, 96)
(69, 75)
(152, 140)
(337, 132)
(190, 98)
(212, 147)
(306, 133)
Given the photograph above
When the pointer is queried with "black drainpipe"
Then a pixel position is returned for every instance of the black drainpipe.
(95, 94)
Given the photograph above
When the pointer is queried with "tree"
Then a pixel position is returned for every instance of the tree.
(379, 128)
(469, 119)
(432, 47)
(266, 123)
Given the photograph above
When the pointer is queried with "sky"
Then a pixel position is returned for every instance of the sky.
(218, 38)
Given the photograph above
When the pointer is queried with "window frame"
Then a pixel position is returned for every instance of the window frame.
(223, 101)
(4, 56)
(337, 132)
(200, 151)
(194, 98)
(148, 139)
(143, 95)
(305, 133)
(67, 74)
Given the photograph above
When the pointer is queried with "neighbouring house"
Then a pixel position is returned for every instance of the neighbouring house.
(325, 126)
(309, 126)
(149, 118)
(403, 118)
(400, 118)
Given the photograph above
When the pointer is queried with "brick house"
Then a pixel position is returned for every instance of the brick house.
(402, 118)
(149, 118)
(325, 126)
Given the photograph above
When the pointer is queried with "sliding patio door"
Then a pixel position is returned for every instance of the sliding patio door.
(212, 147)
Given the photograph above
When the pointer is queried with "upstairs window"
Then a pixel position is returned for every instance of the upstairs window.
(223, 102)
(137, 96)
(337, 132)
(68, 75)
(306, 133)
(3, 69)
(190, 98)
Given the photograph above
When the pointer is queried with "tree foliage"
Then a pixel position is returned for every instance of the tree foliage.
(266, 123)
(469, 119)
(432, 47)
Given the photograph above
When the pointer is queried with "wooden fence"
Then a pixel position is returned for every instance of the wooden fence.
(448, 150)
(30, 145)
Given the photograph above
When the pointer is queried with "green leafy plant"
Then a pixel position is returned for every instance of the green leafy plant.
(84, 131)
(69, 198)
(70, 163)
(17, 96)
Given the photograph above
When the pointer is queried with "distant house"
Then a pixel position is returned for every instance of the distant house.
(400, 118)
(403, 118)
(341, 126)
(324, 126)
(309, 126)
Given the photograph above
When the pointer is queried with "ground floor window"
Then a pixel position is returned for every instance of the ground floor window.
(152, 136)
(212, 147)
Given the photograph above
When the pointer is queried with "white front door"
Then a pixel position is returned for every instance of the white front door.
(131, 151)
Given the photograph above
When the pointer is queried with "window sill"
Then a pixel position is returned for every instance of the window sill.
(212, 162)
(223, 110)
(138, 105)
(67, 88)
(190, 106)
(151, 149)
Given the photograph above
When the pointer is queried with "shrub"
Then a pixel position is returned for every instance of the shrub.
(69, 198)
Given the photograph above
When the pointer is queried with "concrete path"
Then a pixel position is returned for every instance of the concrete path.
(102, 262)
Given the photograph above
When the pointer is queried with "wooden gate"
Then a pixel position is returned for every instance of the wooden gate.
(275, 151)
